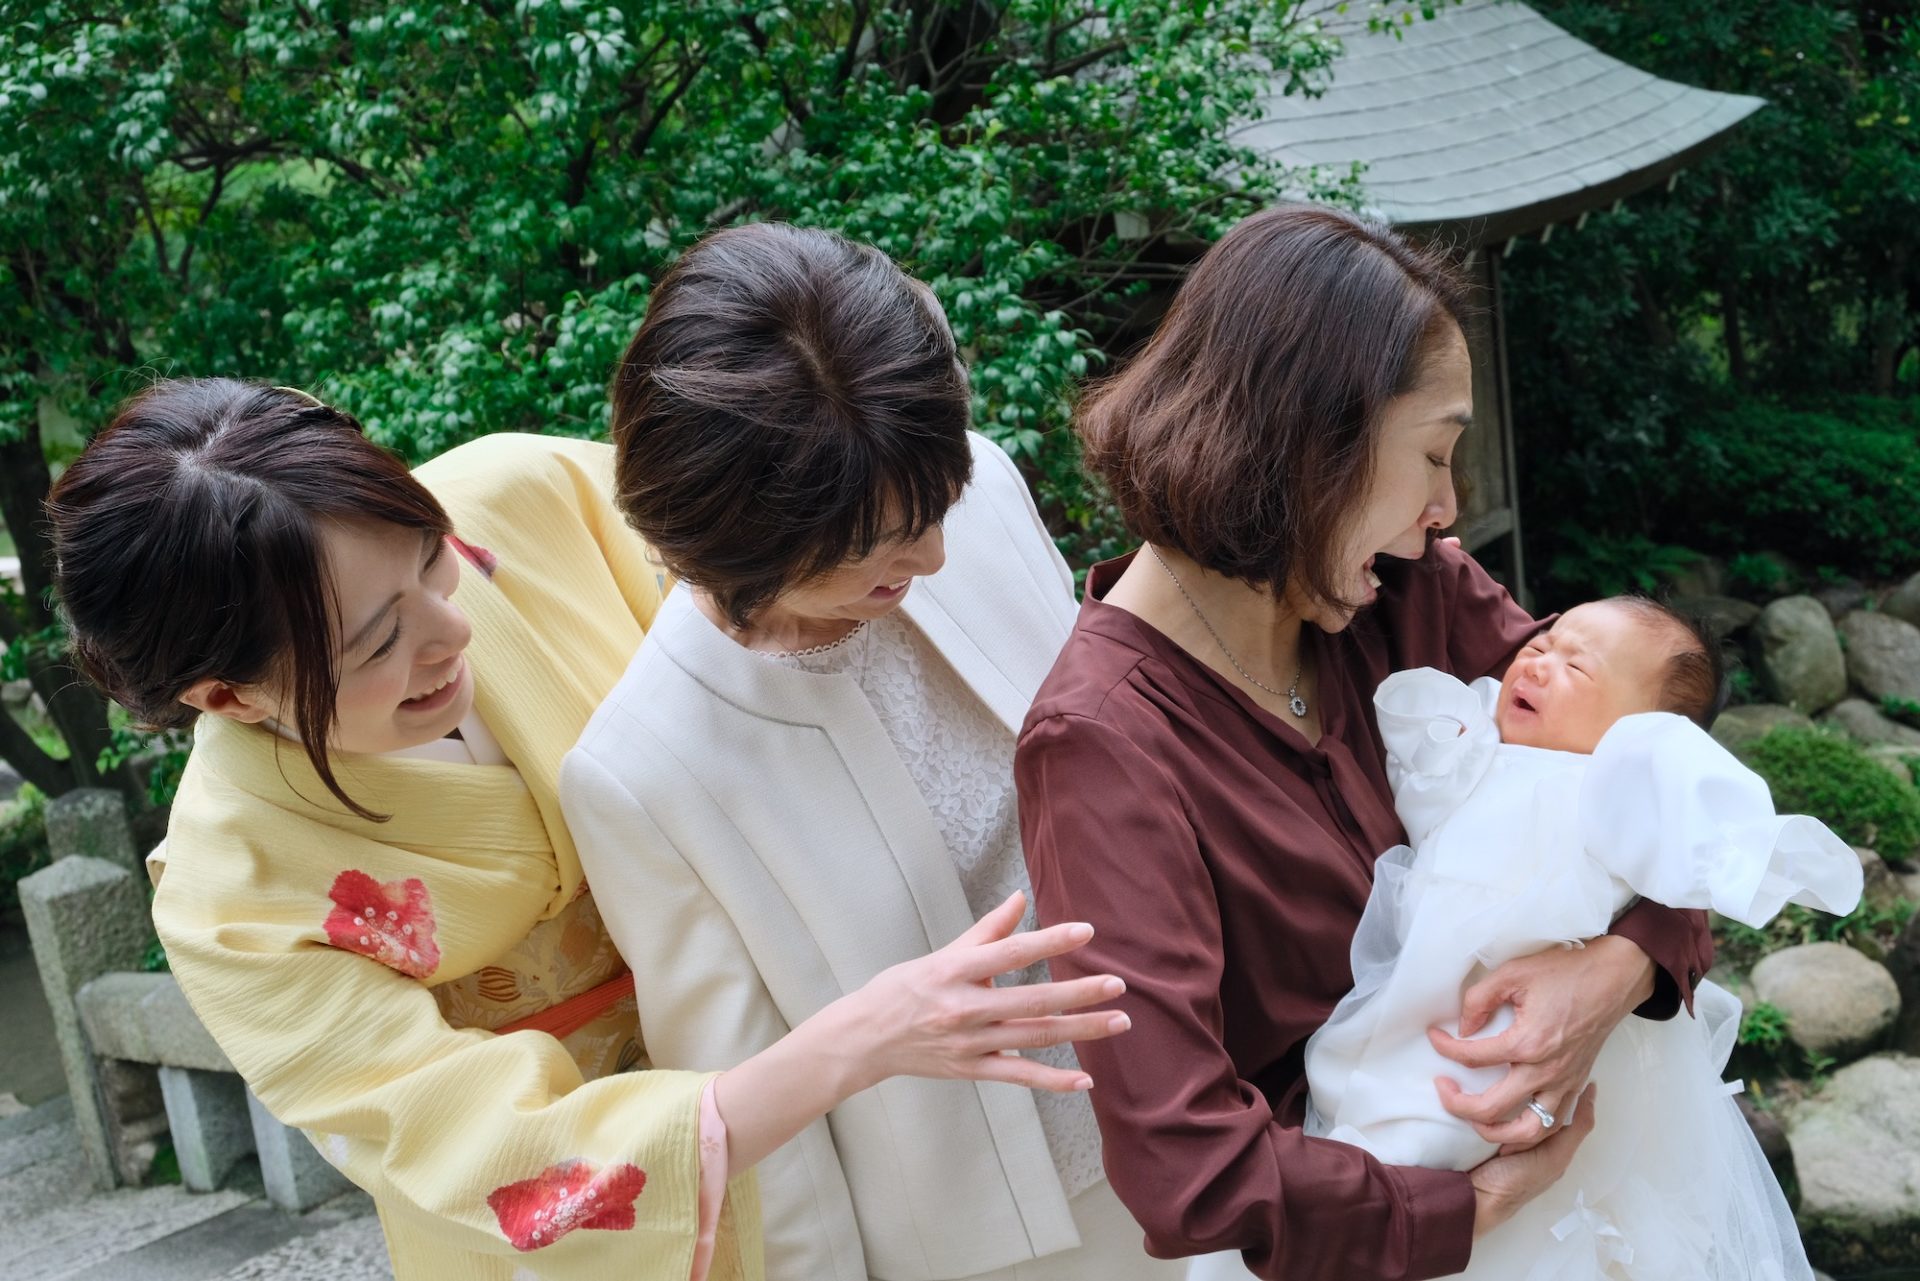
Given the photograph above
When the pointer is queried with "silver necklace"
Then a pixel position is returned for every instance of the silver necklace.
(1295, 704)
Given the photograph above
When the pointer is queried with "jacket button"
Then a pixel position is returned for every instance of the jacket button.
(1693, 977)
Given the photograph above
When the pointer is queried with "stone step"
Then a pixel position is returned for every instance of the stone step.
(57, 1228)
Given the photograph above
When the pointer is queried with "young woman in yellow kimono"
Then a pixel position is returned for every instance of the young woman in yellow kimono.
(368, 893)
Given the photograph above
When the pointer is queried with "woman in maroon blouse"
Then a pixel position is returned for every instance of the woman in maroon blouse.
(1201, 777)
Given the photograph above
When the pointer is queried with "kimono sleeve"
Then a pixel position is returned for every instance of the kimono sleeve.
(1193, 1150)
(495, 1144)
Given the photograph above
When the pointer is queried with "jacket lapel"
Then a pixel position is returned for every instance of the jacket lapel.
(835, 706)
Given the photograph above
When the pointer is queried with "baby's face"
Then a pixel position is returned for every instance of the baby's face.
(1600, 662)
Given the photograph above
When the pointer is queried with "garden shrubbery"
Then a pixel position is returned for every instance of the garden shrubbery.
(23, 842)
(1814, 772)
(1838, 486)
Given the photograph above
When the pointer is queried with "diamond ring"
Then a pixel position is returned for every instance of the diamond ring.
(1546, 1117)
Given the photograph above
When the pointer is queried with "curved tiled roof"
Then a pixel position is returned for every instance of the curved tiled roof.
(1489, 115)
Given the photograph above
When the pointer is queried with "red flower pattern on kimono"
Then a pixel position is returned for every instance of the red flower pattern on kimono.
(390, 921)
(537, 1212)
(479, 557)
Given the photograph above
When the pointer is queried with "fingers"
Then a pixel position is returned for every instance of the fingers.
(996, 924)
(1498, 1104)
(1492, 1051)
(1026, 1072)
(1478, 1002)
(1037, 1034)
(1016, 952)
(1035, 1000)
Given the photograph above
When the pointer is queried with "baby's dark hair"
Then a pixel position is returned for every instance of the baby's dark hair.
(1693, 684)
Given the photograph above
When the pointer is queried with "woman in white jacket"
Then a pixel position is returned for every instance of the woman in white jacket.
(806, 774)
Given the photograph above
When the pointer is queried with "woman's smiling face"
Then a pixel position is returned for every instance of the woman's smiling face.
(400, 639)
(1410, 490)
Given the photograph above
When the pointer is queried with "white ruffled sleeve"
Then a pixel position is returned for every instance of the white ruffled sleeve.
(1440, 738)
(1677, 818)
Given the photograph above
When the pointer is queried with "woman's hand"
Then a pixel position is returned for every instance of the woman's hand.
(940, 1015)
(1566, 1002)
(1504, 1183)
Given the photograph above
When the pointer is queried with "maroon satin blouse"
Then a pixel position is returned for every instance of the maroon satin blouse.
(1224, 863)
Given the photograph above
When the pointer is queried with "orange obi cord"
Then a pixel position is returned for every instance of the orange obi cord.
(563, 1020)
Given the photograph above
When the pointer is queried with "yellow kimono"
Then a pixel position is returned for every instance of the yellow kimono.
(350, 969)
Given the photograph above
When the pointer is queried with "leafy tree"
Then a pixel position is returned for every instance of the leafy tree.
(1780, 270)
(446, 216)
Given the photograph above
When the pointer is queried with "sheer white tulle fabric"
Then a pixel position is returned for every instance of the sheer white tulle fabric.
(1516, 849)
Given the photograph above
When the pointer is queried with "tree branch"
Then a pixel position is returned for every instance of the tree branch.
(18, 749)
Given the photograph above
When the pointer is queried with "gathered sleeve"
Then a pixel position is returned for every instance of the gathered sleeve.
(1701, 830)
(1440, 738)
(1192, 1149)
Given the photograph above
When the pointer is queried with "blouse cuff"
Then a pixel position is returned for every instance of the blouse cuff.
(713, 1179)
(1680, 946)
(1440, 1207)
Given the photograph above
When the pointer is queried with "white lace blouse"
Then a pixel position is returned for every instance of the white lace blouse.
(961, 758)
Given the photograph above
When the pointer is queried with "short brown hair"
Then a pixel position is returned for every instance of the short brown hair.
(1693, 683)
(1243, 434)
(187, 546)
(791, 399)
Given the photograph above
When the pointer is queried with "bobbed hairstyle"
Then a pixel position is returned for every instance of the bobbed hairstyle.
(1243, 434)
(791, 399)
(187, 545)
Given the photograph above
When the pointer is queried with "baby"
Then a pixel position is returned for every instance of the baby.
(1536, 809)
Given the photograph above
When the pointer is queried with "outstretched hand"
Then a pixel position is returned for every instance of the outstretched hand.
(1566, 1002)
(939, 1015)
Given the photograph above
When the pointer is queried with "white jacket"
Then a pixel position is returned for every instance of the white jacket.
(758, 850)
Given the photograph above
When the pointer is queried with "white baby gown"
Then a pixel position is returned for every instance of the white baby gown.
(1516, 849)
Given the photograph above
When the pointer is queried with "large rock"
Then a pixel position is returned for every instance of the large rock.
(1723, 615)
(1797, 654)
(91, 822)
(1738, 726)
(1883, 655)
(1856, 1148)
(1904, 601)
(1881, 887)
(1841, 596)
(1895, 760)
(1836, 1001)
(1864, 723)
(1705, 577)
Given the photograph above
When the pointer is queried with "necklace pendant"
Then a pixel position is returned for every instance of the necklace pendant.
(1298, 706)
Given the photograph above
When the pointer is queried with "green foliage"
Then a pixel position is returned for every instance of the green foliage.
(154, 958)
(446, 216)
(1904, 709)
(166, 753)
(1817, 773)
(1840, 486)
(1870, 929)
(1764, 1028)
(23, 841)
(1780, 269)
(1597, 565)
(1757, 574)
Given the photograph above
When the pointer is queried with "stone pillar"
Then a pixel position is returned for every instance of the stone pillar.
(91, 822)
(85, 917)
(211, 1123)
(297, 1176)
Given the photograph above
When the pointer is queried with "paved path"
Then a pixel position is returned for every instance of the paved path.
(29, 1056)
(56, 1228)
